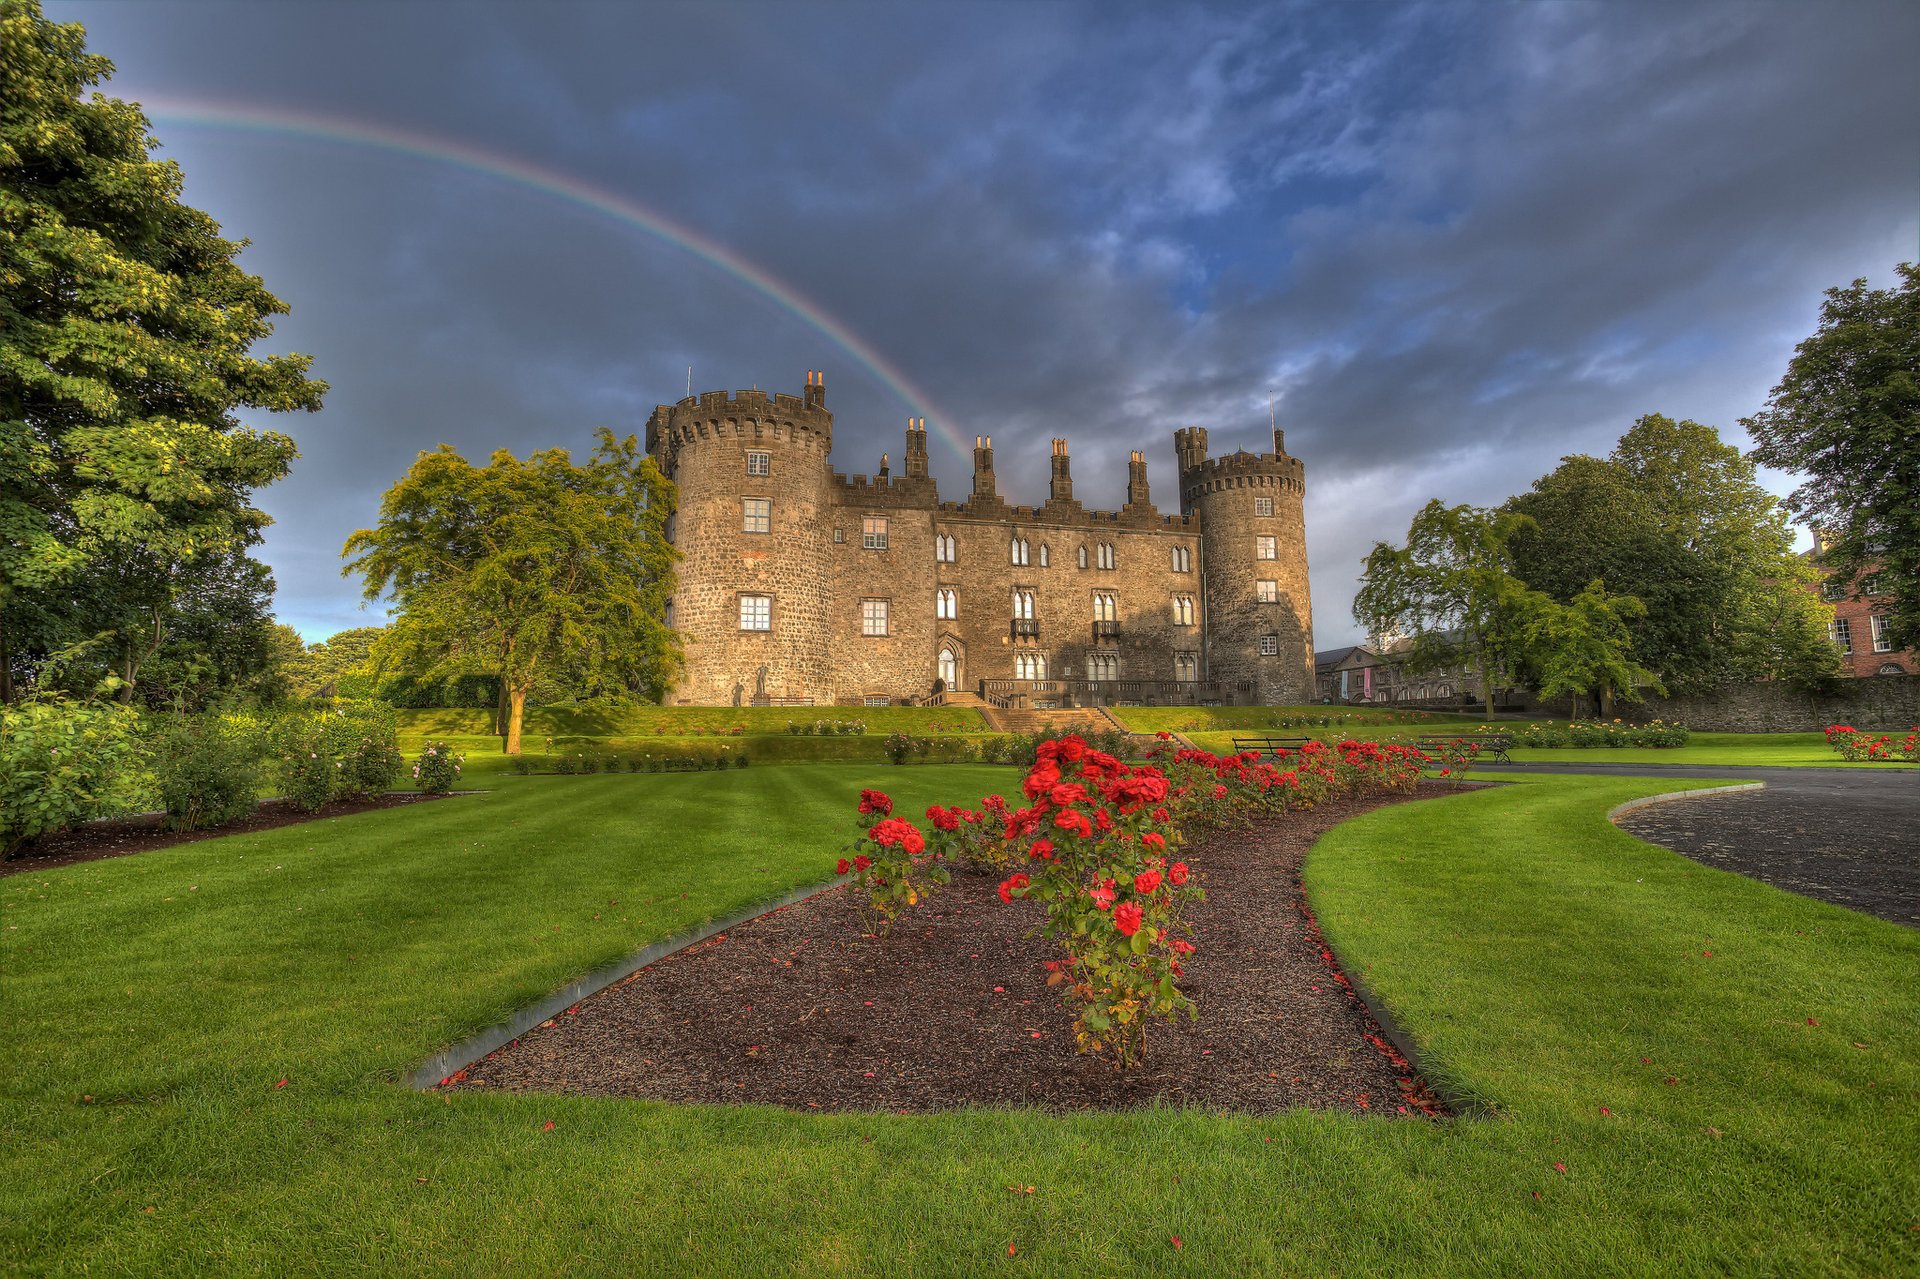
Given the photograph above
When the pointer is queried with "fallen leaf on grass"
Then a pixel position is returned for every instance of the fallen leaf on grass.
(1176, 1241)
(281, 1084)
(547, 1126)
(1010, 1248)
(1559, 1167)
(1021, 1190)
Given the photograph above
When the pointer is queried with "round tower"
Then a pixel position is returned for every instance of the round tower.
(753, 477)
(1253, 565)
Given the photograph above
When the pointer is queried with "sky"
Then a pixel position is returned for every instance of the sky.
(1445, 243)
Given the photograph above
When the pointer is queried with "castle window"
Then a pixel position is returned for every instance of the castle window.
(1266, 548)
(759, 462)
(756, 515)
(1269, 646)
(1183, 610)
(1018, 550)
(873, 533)
(1046, 556)
(873, 617)
(1105, 557)
(839, 536)
(1842, 633)
(1266, 591)
(1881, 644)
(945, 551)
(1022, 606)
(1105, 607)
(1183, 559)
(1029, 665)
(756, 612)
(1186, 666)
(1103, 666)
(876, 700)
(1083, 557)
(1263, 506)
(946, 604)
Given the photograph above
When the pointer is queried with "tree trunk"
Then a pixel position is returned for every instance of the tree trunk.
(1606, 701)
(500, 711)
(1486, 688)
(516, 708)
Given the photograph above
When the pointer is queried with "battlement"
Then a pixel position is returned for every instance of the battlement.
(1057, 517)
(752, 414)
(893, 492)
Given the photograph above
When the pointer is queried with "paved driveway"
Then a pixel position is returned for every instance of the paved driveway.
(1847, 836)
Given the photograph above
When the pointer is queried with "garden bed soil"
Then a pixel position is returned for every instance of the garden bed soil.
(800, 1008)
(122, 836)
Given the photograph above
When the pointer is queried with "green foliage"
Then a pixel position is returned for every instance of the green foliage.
(340, 750)
(1847, 416)
(827, 727)
(1451, 590)
(63, 763)
(527, 570)
(125, 327)
(437, 768)
(1581, 735)
(206, 769)
(1582, 646)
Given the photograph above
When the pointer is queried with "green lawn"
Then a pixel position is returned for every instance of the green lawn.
(1536, 951)
(1807, 750)
(1285, 720)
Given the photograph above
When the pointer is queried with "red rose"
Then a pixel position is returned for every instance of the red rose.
(1181, 947)
(1072, 749)
(1042, 850)
(1154, 839)
(914, 843)
(1146, 882)
(1103, 896)
(1126, 917)
(842, 866)
(1219, 792)
(1162, 815)
(862, 862)
(1067, 794)
(1177, 873)
(873, 801)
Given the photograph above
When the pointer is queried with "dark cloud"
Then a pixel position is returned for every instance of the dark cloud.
(1455, 241)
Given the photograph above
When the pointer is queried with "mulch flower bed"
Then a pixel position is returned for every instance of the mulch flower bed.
(122, 836)
(798, 1008)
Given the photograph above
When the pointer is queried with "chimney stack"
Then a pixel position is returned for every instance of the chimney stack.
(1060, 488)
(916, 448)
(1137, 480)
(983, 484)
(816, 389)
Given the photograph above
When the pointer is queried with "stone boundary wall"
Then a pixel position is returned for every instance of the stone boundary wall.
(1885, 701)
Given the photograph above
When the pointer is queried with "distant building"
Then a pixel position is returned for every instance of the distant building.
(1859, 626)
(1378, 676)
(802, 585)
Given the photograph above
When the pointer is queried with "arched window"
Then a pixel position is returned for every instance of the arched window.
(946, 604)
(1046, 556)
(1019, 549)
(944, 549)
(1083, 557)
(1023, 606)
(1030, 666)
(1106, 556)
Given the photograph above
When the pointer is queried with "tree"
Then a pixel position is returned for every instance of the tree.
(1847, 416)
(125, 327)
(1582, 647)
(1677, 519)
(524, 568)
(1452, 588)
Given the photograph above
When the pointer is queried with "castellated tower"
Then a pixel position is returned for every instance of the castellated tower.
(754, 490)
(1253, 544)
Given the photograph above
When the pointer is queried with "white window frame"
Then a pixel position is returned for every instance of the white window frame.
(1263, 506)
(1106, 607)
(1183, 559)
(1266, 547)
(1046, 556)
(1269, 646)
(1266, 590)
(1017, 551)
(756, 612)
(873, 532)
(874, 613)
(1881, 644)
(1022, 604)
(1029, 665)
(946, 604)
(1105, 557)
(756, 511)
(1183, 610)
(759, 463)
(945, 549)
(1103, 666)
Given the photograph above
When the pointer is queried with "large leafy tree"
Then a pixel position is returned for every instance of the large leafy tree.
(1584, 646)
(1676, 519)
(527, 569)
(1452, 590)
(125, 331)
(1847, 416)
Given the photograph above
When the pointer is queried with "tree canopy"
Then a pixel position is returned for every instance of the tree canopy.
(126, 326)
(1847, 416)
(527, 569)
(1452, 590)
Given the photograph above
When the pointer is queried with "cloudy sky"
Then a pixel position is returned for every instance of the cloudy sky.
(1454, 242)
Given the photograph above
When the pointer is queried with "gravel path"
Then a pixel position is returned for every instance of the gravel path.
(1851, 837)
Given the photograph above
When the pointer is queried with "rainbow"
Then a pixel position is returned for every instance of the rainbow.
(561, 186)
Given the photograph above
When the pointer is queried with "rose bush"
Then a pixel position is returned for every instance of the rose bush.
(1852, 744)
(891, 869)
(437, 768)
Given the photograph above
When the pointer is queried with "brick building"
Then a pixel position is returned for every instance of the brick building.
(1859, 628)
(801, 584)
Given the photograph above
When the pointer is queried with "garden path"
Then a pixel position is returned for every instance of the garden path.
(1844, 836)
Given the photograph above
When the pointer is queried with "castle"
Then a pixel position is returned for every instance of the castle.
(799, 585)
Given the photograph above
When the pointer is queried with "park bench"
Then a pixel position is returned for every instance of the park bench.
(1268, 745)
(1493, 745)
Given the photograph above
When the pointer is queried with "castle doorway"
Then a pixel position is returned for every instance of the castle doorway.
(949, 667)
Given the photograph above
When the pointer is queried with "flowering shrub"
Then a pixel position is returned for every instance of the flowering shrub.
(437, 768)
(1455, 757)
(887, 864)
(827, 727)
(346, 749)
(63, 763)
(1852, 744)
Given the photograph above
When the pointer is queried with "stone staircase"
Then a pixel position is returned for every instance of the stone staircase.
(1056, 723)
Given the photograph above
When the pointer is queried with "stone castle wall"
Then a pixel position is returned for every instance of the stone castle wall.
(1877, 702)
(818, 570)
